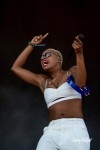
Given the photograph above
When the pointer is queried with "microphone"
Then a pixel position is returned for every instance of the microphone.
(81, 37)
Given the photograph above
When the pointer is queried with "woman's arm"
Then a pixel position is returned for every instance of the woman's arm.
(25, 74)
(79, 71)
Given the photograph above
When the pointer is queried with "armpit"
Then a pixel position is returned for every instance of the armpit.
(73, 71)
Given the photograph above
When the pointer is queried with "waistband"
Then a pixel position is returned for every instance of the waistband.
(67, 120)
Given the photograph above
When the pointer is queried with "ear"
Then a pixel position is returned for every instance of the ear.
(58, 59)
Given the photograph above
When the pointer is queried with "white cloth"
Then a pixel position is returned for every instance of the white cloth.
(64, 90)
(65, 134)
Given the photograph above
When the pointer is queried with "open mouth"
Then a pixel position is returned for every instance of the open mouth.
(45, 62)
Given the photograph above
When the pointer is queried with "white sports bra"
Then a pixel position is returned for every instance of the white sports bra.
(63, 92)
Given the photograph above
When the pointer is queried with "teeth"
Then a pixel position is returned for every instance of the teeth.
(45, 62)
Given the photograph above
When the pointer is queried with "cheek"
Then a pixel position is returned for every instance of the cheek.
(55, 59)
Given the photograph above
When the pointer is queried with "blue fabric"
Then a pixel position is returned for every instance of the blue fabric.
(83, 91)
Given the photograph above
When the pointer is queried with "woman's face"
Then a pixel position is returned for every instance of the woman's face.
(48, 59)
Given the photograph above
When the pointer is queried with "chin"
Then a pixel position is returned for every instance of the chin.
(45, 68)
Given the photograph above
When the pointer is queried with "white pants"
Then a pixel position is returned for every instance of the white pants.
(65, 134)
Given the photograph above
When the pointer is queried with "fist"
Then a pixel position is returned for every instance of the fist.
(77, 45)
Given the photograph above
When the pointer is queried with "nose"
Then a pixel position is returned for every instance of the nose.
(43, 59)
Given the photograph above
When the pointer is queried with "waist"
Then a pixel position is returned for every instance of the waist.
(66, 109)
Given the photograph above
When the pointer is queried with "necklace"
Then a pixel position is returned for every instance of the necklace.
(57, 75)
(53, 80)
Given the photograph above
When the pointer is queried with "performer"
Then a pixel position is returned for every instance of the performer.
(62, 92)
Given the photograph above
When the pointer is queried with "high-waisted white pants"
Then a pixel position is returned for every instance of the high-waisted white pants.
(65, 134)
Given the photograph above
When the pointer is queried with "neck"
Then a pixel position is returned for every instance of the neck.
(55, 73)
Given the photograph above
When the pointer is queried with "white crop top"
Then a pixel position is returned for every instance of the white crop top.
(63, 92)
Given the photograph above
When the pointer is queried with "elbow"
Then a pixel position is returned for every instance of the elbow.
(81, 83)
(13, 68)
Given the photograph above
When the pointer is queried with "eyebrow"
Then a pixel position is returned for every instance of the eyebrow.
(46, 52)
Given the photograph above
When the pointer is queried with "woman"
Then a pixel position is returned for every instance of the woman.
(66, 130)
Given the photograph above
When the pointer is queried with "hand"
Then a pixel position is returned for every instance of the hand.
(39, 39)
(77, 45)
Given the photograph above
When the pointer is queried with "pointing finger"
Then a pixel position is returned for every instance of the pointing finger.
(45, 35)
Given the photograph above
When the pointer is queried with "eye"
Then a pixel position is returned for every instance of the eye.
(46, 55)
(43, 56)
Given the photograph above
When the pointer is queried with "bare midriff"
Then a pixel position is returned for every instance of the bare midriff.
(66, 109)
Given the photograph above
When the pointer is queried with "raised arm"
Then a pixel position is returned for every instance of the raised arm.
(79, 71)
(25, 74)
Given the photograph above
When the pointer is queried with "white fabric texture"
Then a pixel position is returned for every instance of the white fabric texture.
(64, 90)
(65, 134)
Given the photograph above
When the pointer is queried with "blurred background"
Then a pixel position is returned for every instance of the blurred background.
(23, 112)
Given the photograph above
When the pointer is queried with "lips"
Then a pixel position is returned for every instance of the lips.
(45, 62)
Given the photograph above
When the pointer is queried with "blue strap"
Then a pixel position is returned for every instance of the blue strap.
(83, 91)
